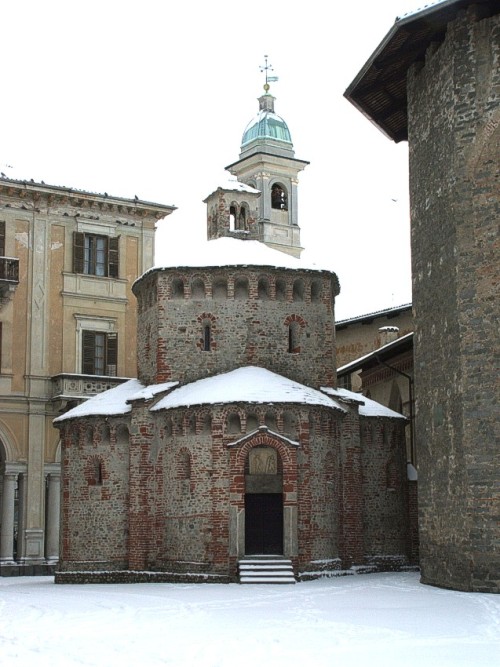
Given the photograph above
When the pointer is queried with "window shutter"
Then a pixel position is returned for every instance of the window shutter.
(111, 354)
(113, 257)
(2, 238)
(88, 352)
(78, 251)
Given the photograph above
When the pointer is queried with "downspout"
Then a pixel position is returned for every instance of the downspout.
(410, 395)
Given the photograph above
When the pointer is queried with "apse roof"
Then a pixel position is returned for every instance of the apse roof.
(250, 384)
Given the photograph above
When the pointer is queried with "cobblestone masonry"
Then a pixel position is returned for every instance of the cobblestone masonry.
(164, 491)
(454, 140)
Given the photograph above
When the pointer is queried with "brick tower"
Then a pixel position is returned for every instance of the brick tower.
(434, 81)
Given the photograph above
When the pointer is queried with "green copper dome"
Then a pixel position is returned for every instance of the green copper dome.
(266, 125)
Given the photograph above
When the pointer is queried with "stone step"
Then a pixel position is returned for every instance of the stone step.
(262, 570)
(267, 580)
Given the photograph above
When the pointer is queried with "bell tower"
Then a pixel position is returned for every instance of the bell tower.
(267, 163)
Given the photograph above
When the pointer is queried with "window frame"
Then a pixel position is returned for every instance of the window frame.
(86, 254)
(99, 353)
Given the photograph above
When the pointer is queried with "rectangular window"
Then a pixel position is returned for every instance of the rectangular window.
(100, 351)
(95, 255)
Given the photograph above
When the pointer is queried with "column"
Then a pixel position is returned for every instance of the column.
(7, 529)
(53, 508)
(21, 495)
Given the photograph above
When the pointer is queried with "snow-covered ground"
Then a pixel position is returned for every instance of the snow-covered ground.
(367, 620)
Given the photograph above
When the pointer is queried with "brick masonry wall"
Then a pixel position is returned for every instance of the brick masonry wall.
(95, 492)
(169, 484)
(247, 327)
(454, 140)
(385, 512)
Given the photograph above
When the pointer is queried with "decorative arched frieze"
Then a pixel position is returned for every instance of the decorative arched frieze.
(197, 288)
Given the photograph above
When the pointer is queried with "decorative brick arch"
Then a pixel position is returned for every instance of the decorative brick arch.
(238, 453)
(263, 438)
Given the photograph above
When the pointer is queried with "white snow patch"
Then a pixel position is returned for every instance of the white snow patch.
(189, 251)
(381, 620)
(234, 184)
(367, 407)
(249, 384)
(110, 402)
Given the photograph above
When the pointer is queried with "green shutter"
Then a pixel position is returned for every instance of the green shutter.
(113, 266)
(111, 354)
(88, 352)
(78, 251)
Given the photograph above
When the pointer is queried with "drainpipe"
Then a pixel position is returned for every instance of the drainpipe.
(410, 394)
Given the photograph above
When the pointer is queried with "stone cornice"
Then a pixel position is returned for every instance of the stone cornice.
(57, 195)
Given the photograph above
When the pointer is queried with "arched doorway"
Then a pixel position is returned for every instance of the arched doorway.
(263, 502)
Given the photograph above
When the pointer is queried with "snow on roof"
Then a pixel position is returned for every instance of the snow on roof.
(393, 310)
(151, 391)
(110, 402)
(249, 384)
(359, 361)
(226, 251)
(116, 401)
(234, 184)
(367, 407)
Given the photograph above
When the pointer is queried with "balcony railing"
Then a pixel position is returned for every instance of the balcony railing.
(73, 386)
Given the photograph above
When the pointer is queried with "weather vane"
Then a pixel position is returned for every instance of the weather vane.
(269, 79)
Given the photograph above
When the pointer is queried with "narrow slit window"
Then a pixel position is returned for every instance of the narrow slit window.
(206, 338)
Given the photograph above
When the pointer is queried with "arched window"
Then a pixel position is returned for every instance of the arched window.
(263, 289)
(241, 288)
(207, 337)
(219, 289)
(94, 471)
(315, 290)
(280, 290)
(279, 197)
(252, 423)
(177, 288)
(206, 424)
(242, 217)
(298, 290)
(270, 421)
(198, 289)
(232, 218)
(294, 337)
(122, 436)
(234, 423)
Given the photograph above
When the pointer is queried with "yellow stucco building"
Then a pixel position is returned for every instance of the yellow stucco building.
(68, 259)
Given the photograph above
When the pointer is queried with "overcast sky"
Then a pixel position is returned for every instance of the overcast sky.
(151, 99)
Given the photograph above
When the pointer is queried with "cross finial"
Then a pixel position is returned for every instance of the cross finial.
(268, 68)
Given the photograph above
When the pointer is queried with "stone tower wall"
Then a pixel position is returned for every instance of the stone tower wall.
(245, 211)
(454, 137)
(249, 310)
